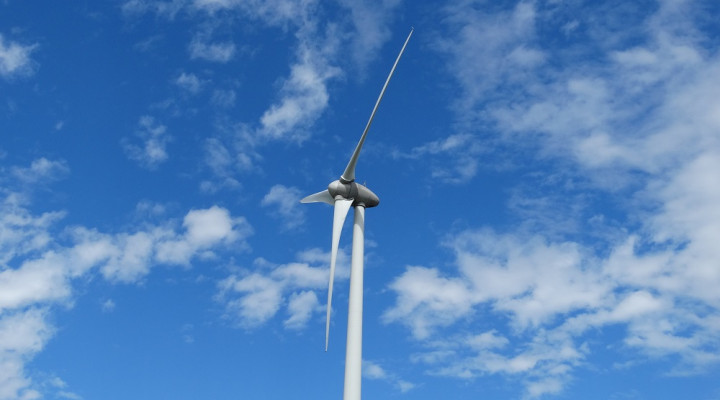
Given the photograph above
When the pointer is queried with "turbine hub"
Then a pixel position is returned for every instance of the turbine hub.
(361, 195)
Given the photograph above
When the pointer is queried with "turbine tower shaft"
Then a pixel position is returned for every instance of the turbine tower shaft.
(353, 349)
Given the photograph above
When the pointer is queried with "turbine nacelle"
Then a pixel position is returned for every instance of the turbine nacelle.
(360, 195)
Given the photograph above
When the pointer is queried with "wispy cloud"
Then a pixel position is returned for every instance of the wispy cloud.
(303, 95)
(168, 9)
(220, 52)
(320, 56)
(373, 370)
(488, 49)
(371, 23)
(40, 170)
(15, 59)
(224, 98)
(228, 156)
(108, 306)
(189, 82)
(151, 152)
(286, 201)
(61, 389)
(455, 159)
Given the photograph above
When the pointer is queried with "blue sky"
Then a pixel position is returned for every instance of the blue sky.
(548, 176)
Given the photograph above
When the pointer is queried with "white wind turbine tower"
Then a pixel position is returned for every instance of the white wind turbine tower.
(342, 194)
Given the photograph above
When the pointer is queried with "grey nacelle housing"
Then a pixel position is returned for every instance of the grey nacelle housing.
(352, 190)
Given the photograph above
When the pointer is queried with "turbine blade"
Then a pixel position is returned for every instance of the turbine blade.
(342, 206)
(319, 197)
(349, 174)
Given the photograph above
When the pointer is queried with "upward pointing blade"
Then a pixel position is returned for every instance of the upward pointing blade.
(349, 174)
(342, 206)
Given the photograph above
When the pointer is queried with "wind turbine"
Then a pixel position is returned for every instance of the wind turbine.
(343, 194)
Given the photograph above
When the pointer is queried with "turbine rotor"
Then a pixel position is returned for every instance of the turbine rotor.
(343, 194)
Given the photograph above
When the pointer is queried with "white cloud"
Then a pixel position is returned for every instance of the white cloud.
(108, 306)
(551, 294)
(59, 387)
(23, 332)
(634, 122)
(213, 4)
(40, 170)
(221, 52)
(189, 82)
(217, 157)
(38, 270)
(204, 229)
(123, 257)
(489, 48)
(448, 144)
(487, 340)
(22, 233)
(373, 370)
(554, 291)
(304, 96)
(259, 300)
(272, 12)
(15, 59)
(130, 256)
(286, 201)
(227, 157)
(168, 9)
(13, 382)
(301, 306)
(224, 98)
(455, 158)
(426, 300)
(22, 335)
(256, 296)
(38, 267)
(37, 280)
(370, 21)
(68, 395)
(154, 138)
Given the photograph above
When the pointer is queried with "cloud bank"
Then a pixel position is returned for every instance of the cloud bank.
(40, 263)
(637, 125)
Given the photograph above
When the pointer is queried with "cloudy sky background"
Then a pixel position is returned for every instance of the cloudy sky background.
(548, 176)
